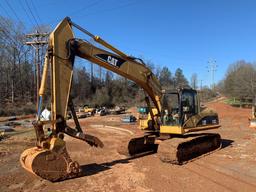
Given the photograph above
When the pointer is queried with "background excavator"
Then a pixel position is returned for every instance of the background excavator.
(174, 129)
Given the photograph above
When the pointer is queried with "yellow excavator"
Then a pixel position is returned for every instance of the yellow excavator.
(175, 130)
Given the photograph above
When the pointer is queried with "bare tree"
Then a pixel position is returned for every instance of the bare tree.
(194, 81)
(240, 81)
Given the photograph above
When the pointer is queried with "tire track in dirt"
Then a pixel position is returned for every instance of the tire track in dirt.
(229, 182)
(167, 177)
(242, 177)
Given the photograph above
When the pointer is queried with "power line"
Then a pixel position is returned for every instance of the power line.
(31, 13)
(8, 34)
(85, 7)
(12, 10)
(17, 17)
(9, 37)
(113, 8)
(73, 13)
(5, 11)
(8, 24)
(4, 30)
(36, 12)
(102, 10)
(28, 16)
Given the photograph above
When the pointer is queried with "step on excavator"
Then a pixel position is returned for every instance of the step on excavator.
(176, 130)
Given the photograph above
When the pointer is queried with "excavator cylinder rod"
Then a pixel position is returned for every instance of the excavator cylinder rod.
(182, 150)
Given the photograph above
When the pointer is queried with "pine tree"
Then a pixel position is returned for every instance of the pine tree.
(179, 79)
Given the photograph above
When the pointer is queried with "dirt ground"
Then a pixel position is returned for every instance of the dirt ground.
(232, 168)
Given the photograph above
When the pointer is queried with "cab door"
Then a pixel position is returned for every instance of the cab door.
(188, 104)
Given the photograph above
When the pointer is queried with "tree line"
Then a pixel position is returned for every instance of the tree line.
(16, 69)
(240, 81)
(117, 90)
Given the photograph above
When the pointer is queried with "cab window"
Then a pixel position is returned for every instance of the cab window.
(170, 110)
(188, 103)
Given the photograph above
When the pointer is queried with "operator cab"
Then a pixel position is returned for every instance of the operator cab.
(179, 106)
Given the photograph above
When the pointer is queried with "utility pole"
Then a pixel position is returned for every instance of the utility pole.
(212, 68)
(37, 40)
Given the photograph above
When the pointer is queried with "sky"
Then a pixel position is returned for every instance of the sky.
(184, 34)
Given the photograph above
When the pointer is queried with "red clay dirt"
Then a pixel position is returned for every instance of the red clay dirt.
(232, 168)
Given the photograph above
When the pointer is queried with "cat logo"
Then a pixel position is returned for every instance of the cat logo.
(112, 60)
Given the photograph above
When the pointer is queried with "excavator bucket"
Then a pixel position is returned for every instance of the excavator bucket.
(50, 159)
(50, 164)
